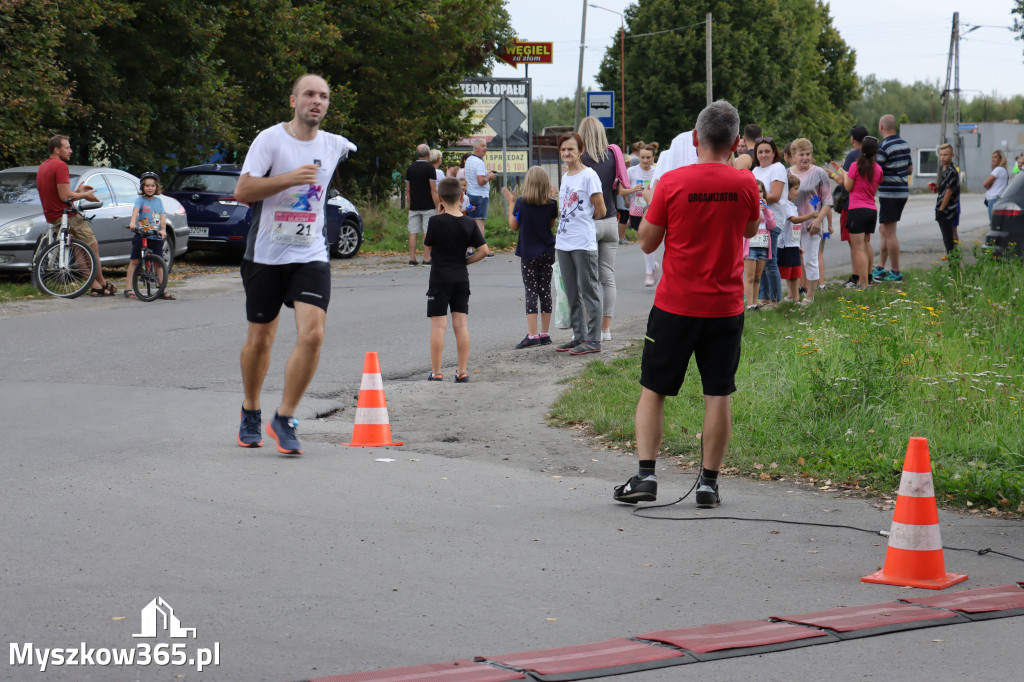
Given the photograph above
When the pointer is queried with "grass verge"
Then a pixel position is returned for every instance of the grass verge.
(832, 392)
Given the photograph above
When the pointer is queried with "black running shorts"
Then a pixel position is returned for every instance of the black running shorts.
(267, 287)
(861, 220)
(443, 295)
(672, 339)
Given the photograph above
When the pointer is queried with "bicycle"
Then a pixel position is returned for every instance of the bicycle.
(66, 267)
(150, 277)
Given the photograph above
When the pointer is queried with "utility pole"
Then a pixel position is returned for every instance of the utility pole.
(707, 57)
(953, 78)
(579, 78)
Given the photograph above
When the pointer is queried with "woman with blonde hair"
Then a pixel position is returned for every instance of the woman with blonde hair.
(606, 160)
(533, 215)
(996, 182)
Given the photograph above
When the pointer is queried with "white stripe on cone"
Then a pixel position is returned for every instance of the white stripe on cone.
(372, 382)
(372, 415)
(917, 484)
(919, 538)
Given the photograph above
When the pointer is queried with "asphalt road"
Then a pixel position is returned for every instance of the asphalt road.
(122, 483)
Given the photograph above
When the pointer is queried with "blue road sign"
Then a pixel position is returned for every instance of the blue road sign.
(601, 105)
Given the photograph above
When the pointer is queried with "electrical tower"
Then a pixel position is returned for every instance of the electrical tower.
(953, 77)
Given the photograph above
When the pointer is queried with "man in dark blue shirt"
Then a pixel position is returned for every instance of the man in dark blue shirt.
(895, 159)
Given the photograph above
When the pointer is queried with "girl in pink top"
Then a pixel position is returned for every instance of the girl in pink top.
(861, 182)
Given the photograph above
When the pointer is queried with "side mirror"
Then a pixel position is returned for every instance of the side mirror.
(90, 205)
(333, 194)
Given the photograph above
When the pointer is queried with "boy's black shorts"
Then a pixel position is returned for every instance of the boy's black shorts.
(444, 294)
(672, 339)
(267, 287)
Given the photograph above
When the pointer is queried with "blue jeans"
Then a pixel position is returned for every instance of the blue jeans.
(771, 282)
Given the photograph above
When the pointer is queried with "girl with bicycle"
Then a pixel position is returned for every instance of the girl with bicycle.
(148, 214)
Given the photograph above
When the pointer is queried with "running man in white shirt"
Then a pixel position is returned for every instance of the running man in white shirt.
(285, 175)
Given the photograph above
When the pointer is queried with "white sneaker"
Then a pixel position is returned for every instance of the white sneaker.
(606, 335)
(649, 279)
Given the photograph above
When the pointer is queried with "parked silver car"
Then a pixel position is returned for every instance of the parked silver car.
(22, 224)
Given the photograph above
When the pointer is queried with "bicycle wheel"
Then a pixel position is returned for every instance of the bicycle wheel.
(65, 270)
(149, 278)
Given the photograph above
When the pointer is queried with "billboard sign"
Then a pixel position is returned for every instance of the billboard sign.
(527, 53)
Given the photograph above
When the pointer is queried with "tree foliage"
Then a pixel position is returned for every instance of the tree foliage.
(553, 112)
(780, 62)
(161, 84)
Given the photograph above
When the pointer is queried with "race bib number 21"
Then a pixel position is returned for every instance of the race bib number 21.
(294, 227)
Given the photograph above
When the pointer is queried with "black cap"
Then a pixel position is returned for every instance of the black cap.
(858, 133)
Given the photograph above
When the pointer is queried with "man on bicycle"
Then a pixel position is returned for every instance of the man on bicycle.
(285, 174)
(53, 182)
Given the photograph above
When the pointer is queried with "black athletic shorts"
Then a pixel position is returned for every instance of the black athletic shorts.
(861, 220)
(672, 339)
(267, 287)
(623, 216)
(443, 295)
(890, 210)
(634, 221)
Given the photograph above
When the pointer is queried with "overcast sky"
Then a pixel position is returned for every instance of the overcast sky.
(912, 44)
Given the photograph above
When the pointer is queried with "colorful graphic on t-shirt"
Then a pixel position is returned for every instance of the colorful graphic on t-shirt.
(571, 203)
(302, 199)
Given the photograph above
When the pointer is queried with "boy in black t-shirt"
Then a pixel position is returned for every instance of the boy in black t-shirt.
(449, 235)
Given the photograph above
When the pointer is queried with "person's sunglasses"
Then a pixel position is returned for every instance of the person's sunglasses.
(763, 139)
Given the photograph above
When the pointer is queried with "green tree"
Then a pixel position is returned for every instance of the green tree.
(780, 62)
(920, 102)
(552, 112)
(36, 96)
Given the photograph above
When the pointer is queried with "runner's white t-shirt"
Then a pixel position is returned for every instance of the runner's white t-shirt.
(576, 229)
(637, 205)
(288, 227)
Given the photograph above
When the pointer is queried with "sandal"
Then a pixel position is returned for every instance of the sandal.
(128, 293)
(435, 377)
(462, 378)
(168, 296)
(106, 290)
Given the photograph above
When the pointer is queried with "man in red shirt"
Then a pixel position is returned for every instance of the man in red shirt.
(702, 212)
(53, 182)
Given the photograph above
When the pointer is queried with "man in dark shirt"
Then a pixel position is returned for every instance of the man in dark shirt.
(53, 182)
(421, 198)
(894, 156)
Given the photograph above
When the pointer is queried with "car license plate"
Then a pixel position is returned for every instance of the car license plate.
(199, 232)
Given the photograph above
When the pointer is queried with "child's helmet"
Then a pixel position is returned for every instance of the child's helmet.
(149, 174)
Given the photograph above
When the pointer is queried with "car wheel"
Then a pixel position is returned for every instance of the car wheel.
(349, 240)
(168, 250)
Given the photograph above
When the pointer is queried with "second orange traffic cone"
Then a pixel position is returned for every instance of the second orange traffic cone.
(372, 428)
(914, 557)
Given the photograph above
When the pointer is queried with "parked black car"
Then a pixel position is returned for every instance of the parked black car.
(218, 222)
(1007, 220)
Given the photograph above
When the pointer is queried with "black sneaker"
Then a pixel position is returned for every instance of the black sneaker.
(527, 342)
(249, 435)
(636, 490)
(545, 340)
(282, 429)
(568, 346)
(707, 496)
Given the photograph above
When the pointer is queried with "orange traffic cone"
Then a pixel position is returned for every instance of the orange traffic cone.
(914, 557)
(372, 429)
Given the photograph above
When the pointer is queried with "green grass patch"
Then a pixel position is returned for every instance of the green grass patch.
(834, 391)
(385, 227)
(17, 289)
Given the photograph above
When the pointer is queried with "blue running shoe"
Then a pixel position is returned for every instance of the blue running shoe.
(894, 276)
(249, 435)
(282, 429)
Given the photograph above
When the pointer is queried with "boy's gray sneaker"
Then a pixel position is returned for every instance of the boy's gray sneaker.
(707, 496)
(586, 347)
(568, 346)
